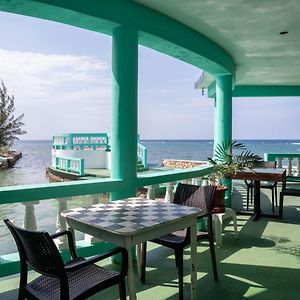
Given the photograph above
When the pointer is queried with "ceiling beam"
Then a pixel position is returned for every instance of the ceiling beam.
(156, 30)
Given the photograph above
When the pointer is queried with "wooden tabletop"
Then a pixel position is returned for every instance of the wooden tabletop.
(261, 174)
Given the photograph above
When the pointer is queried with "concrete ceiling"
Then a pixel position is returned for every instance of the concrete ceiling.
(249, 30)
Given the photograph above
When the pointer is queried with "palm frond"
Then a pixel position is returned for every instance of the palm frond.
(231, 157)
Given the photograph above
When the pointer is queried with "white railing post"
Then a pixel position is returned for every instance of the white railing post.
(89, 238)
(185, 181)
(169, 192)
(289, 169)
(29, 218)
(279, 162)
(197, 181)
(205, 181)
(151, 191)
(61, 223)
(298, 167)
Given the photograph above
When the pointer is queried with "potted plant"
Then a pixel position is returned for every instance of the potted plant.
(229, 158)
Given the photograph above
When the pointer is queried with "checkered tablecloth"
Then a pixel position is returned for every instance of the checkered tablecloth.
(129, 215)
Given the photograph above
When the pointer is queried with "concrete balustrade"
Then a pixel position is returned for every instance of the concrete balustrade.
(169, 196)
(170, 187)
(142, 154)
(72, 152)
(70, 165)
(289, 158)
(31, 195)
(30, 218)
(61, 224)
(151, 191)
(197, 181)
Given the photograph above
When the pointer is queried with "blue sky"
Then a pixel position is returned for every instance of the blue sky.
(61, 79)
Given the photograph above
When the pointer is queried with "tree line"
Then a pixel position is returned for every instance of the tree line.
(10, 125)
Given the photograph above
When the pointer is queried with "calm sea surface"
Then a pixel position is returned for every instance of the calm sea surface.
(37, 157)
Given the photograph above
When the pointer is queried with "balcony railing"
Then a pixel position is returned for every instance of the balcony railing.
(69, 193)
(289, 160)
(80, 141)
(89, 141)
(142, 154)
(70, 165)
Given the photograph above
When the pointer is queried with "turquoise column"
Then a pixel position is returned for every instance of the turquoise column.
(223, 119)
(124, 110)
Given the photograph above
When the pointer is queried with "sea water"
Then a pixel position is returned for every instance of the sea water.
(37, 155)
(36, 158)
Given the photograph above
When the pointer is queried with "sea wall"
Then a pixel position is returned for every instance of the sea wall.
(183, 164)
(9, 160)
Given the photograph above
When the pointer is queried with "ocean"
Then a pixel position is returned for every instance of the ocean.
(37, 155)
(36, 158)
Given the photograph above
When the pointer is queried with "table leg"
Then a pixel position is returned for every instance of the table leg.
(256, 187)
(139, 252)
(130, 274)
(193, 261)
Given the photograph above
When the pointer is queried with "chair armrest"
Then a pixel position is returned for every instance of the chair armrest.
(71, 242)
(58, 234)
(86, 262)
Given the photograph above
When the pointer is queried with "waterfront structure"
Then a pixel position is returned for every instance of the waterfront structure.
(254, 54)
(73, 153)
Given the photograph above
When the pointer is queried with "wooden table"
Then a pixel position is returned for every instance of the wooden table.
(133, 221)
(258, 175)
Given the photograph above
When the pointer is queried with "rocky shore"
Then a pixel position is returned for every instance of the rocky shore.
(8, 159)
(183, 164)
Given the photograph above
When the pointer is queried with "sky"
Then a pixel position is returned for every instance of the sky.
(60, 77)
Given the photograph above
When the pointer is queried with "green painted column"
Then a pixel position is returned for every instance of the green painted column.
(223, 119)
(124, 110)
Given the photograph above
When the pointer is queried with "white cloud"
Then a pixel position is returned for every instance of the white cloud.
(49, 87)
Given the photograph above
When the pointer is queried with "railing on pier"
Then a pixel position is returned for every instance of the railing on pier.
(81, 141)
(142, 154)
(70, 165)
(69, 194)
(91, 141)
(286, 159)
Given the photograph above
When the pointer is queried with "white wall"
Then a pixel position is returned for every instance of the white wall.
(93, 159)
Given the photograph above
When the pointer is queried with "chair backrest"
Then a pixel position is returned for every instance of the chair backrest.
(38, 250)
(195, 196)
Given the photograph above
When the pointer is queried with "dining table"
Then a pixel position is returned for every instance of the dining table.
(258, 175)
(132, 221)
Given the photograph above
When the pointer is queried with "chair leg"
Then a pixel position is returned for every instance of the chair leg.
(23, 280)
(179, 260)
(251, 194)
(248, 192)
(275, 187)
(213, 258)
(122, 290)
(212, 248)
(280, 205)
(21, 296)
(272, 200)
(143, 262)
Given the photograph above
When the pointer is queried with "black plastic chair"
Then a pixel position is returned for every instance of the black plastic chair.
(78, 279)
(195, 196)
(286, 192)
(263, 185)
